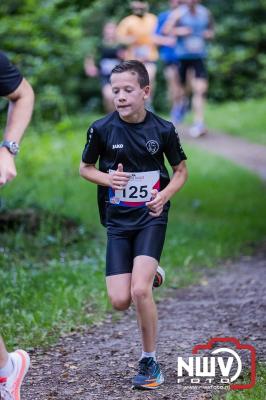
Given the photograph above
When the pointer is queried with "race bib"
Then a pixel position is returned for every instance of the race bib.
(194, 44)
(138, 190)
(142, 52)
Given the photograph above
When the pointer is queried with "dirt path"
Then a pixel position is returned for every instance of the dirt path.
(99, 363)
(249, 155)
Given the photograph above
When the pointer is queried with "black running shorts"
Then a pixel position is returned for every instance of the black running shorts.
(124, 246)
(197, 65)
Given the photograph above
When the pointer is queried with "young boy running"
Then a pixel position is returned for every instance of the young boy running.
(134, 189)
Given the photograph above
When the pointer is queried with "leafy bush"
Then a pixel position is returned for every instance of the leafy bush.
(237, 58)
(47, 43)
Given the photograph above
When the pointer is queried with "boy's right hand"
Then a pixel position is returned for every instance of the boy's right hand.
(119, 179)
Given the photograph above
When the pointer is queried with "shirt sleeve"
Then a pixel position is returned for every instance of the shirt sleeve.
(160, 23)
(10, 77)
(173, 149)
(92, 148)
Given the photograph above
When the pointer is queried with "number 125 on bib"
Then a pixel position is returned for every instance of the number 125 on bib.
(138, 190)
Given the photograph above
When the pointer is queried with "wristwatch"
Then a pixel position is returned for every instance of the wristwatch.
(11, 146)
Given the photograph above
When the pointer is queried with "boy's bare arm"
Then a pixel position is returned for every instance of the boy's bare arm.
(117, 180)
(160, 198)
(180, 175)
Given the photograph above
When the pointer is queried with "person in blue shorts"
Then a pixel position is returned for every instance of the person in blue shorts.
(169, 57)
(134, 189)
(193, 25)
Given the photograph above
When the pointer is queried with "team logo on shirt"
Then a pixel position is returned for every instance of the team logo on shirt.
(117, 146)
(152, 146)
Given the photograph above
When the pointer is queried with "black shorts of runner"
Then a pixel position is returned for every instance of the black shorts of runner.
(197, 65)
(124, 246)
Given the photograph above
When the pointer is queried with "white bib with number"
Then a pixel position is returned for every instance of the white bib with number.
(138, 189)
(194, 44)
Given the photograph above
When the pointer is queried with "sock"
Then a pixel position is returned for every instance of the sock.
(7, 369)
(145, 354)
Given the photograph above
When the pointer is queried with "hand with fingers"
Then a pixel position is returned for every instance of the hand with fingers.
(119, 179)
(156, 204)
(7, 166)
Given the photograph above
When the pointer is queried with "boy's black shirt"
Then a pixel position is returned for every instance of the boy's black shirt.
(10, 77)
(140, 147)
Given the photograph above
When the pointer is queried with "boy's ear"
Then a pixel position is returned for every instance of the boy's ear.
(147, 91)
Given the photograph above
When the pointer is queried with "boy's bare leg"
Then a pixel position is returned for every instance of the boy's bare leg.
(3, 353)
(141, 291)
(118, 289)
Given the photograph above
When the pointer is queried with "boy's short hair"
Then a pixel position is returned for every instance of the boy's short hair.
(137, 68)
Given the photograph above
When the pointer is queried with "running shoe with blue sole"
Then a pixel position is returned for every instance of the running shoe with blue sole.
(149, 375)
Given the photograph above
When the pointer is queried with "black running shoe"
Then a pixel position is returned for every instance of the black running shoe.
(149, 375)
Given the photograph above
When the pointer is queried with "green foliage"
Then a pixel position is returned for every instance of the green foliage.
(45, 39)
(41, 300)
(237, 58)
(258, 392)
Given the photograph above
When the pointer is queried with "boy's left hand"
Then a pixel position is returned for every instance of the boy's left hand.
(7, 166)
(156, 204)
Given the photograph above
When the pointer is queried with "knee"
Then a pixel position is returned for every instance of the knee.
(200, 92)
(120, 303)
(140, 293)
(200, 89)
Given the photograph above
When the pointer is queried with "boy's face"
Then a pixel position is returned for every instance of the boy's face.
(129, 97)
